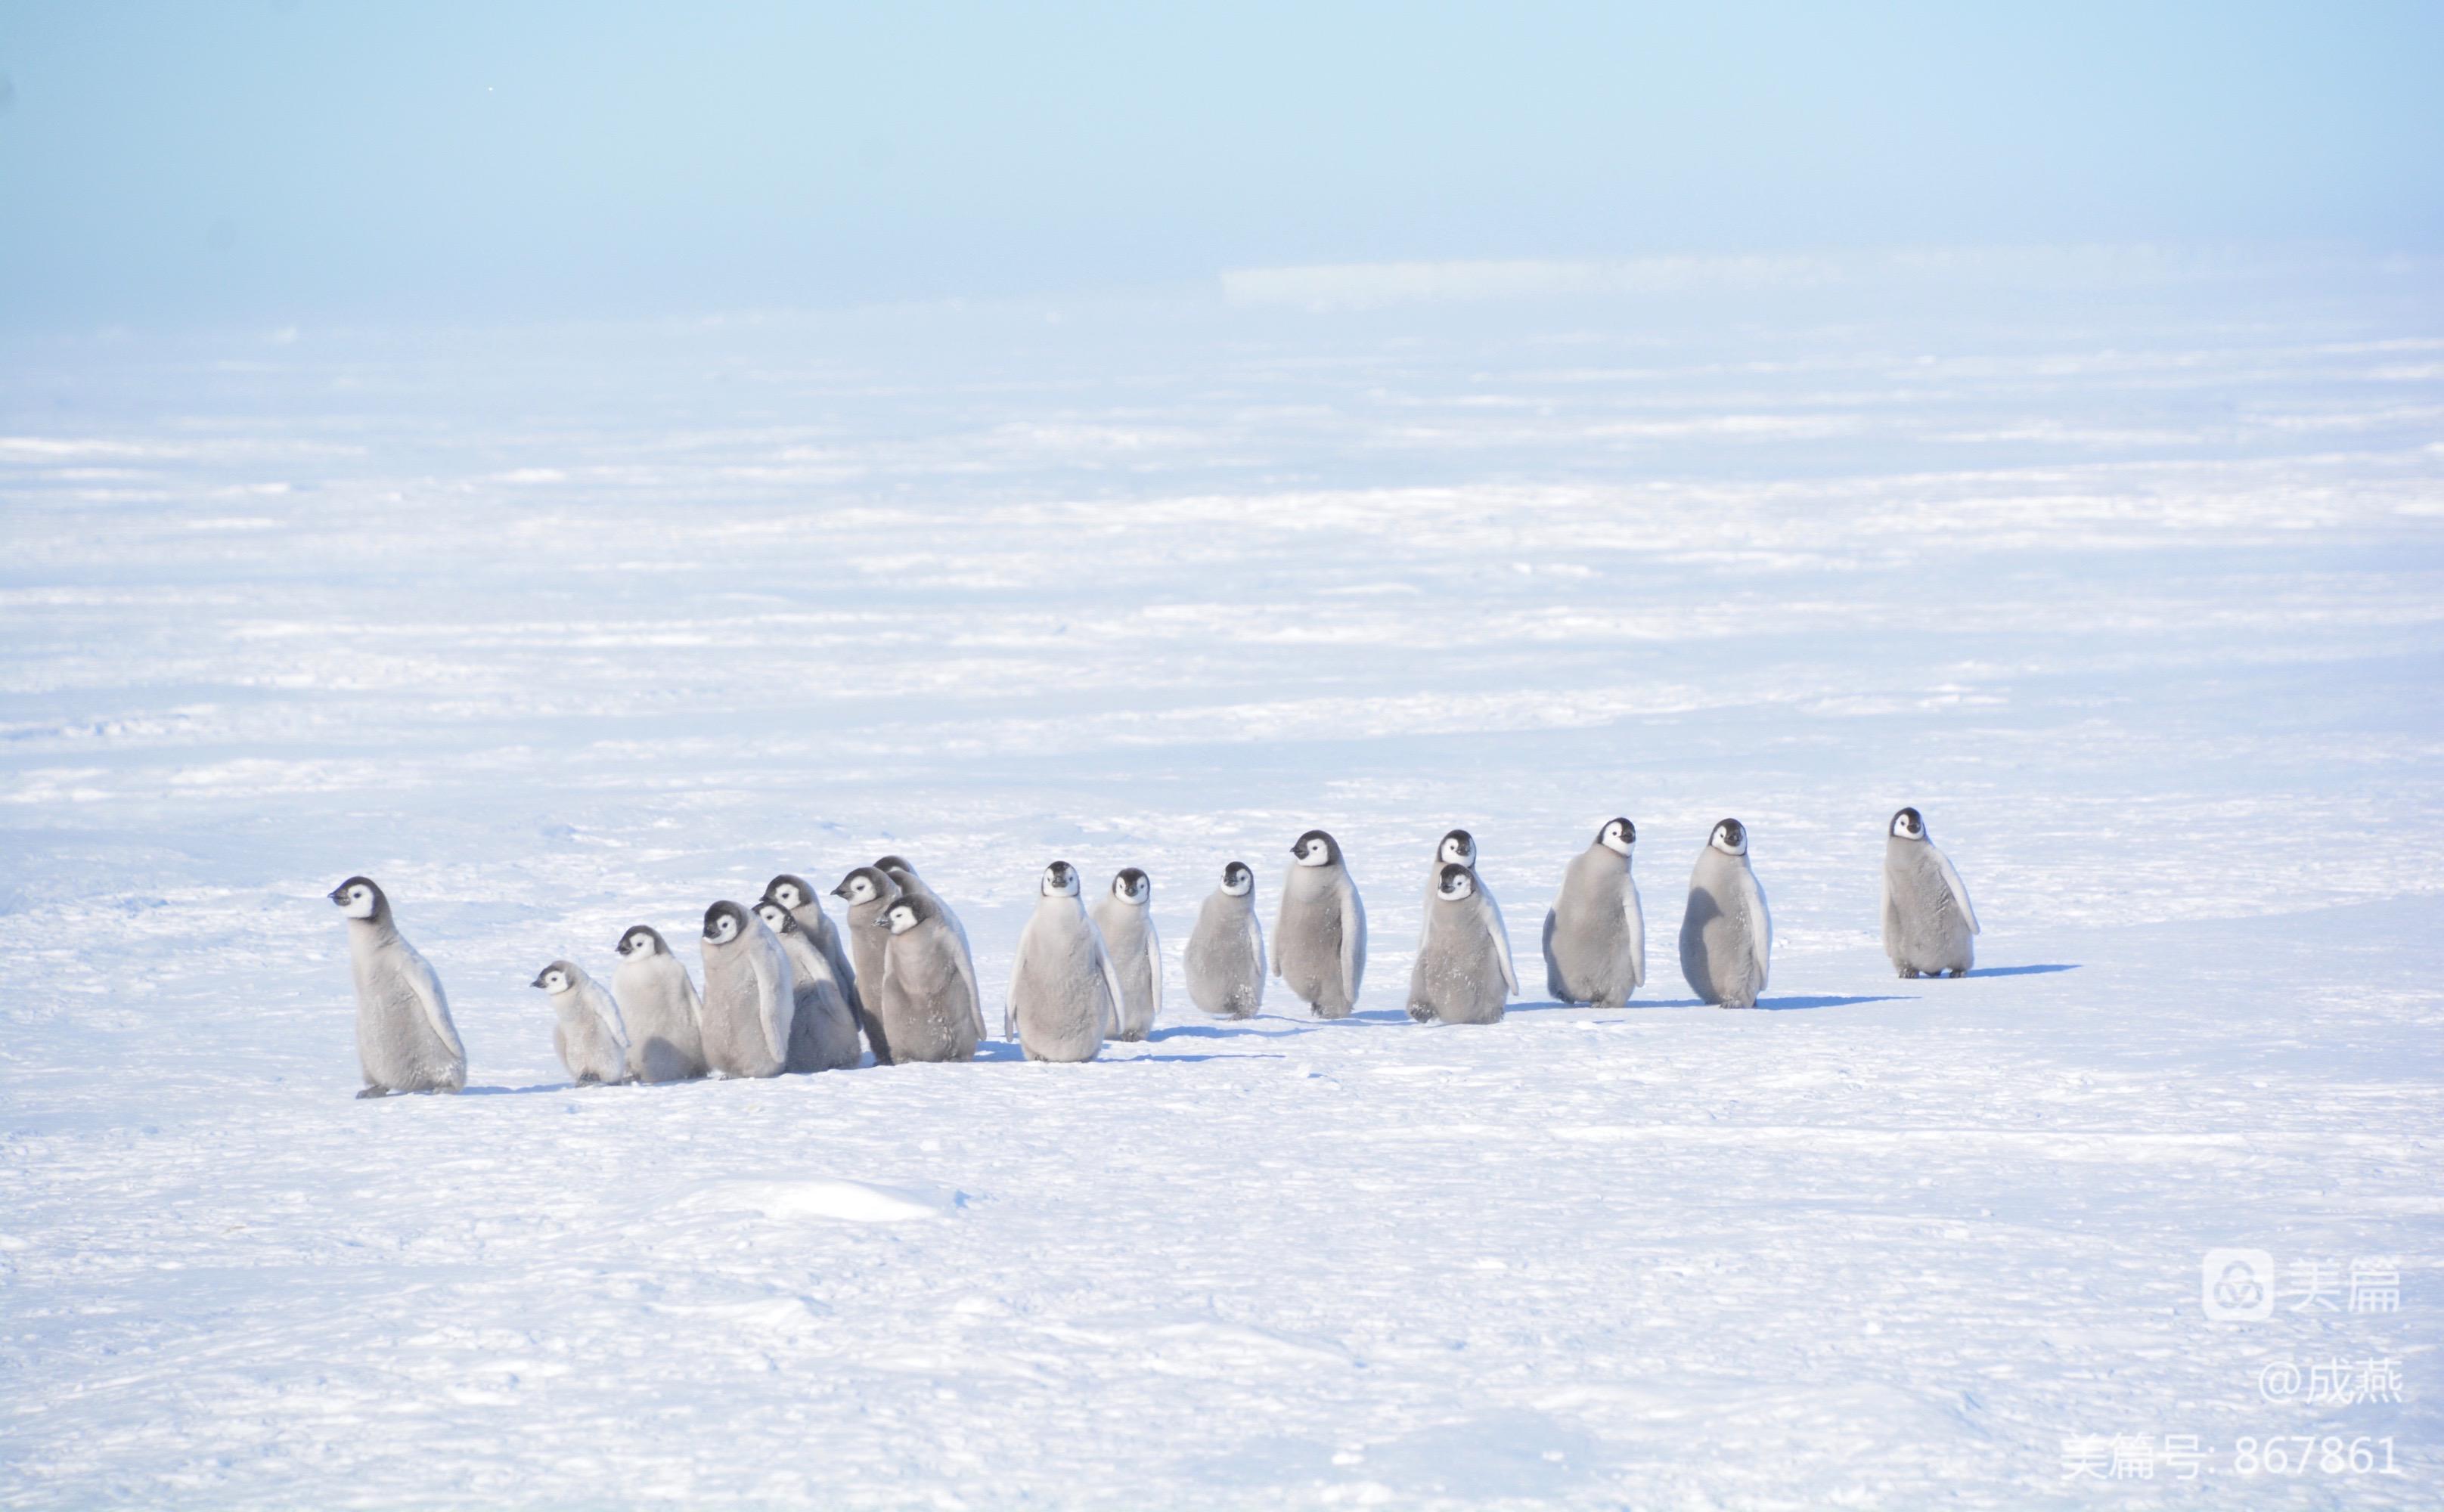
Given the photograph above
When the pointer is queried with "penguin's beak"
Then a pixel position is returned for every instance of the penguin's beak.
(338, 896)
(537, 982)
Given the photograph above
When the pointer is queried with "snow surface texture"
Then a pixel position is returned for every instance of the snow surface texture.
(2127, 573)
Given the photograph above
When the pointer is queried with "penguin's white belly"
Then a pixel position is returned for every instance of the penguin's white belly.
(1309, 954)
(1225, 978)
(733, 1024)
(1718, 951)
(395, 1044)
(1588, 949)
(1931, 934)
(1457, 980)
(1061, 1002)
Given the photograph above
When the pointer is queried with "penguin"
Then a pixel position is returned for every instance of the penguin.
(1929, 929)
(1319, 937)
(793, 893)
(1727, 936)
(822, 1031)
(927, 1008)
(749, 994)
(1463, 973)
(1225, 960)
(591, 1038)
(405, 1042)
(1594, 933)
(866, 891)
(897, 869)
(1065, 998)
(1124, 917)
(665, 1017)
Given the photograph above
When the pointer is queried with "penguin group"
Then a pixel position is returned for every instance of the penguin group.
(786, 991)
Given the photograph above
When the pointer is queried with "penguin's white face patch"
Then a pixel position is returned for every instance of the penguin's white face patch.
(555, 981)
(1455, 888)
(1314, 852)
(1907, 826)
(860, 890)
(775, 917)
(636, 943)
(1238, 882)
(1457, 852)
(1730, 837)
(724, 930)
(1616, 839)
(902, 918)
(359, 903)
(1060, 880)
(788, 896)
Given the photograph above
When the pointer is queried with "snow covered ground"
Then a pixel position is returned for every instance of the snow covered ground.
(2129, 571)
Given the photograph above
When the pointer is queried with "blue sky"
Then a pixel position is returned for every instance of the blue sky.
(273, 160)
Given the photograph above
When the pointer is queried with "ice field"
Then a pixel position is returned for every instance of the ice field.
(2126, 568)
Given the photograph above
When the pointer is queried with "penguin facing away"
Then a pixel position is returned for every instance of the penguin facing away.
(590, 1035)
(1594, 933)
(1225, 959)
(792, 893)
(1124, 917)
(1726, 935)
(750, 995)
(927, 1008)
(659, 1002)
(1463, 973)
(865, 890)
(822, 1031)
(1063, 996)
(1929, 929)
(405, 1039)
(1320, 936)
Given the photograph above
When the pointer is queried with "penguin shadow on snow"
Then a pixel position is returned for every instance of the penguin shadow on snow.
(1766, 1005)
(2023, 970)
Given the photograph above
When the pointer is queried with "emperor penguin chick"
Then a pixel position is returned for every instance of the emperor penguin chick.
(1727, 936)
(1594, 933)
(405, 1042)
(1929, 929)
(1225, 959)
(927, 1008)
(1124, 917)
(793, 893)
(750, 995)
(1319, 937)
(591, 1036)
(866, 891)
(905, 876)
(822, 1031)
(1063, 996)
(657, 1000)
(1463, 973)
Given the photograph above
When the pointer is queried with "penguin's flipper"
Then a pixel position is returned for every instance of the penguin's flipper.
(1256, 943)
(1501, 936)
(1353, 939)
(1959, 889)
(427, 986)
(1751, 897)
(1636, 915)
(777, 987)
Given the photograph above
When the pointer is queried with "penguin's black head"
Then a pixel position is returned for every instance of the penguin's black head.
(1132, 885)
(641, 940)
(1459, 847)
(905, 912)
(1237, 880)
(1909, 824)
(1618, 835)
(1730, 837)
(558, 977)
(866, 884)
(775, 916)
(1456, 882)
(1060, 880)
(789, 890)
(360, 898)
(724, 922)
(1316, 848)
(887, 864)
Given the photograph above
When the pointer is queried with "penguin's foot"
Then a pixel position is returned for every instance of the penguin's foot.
(363, 1092)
